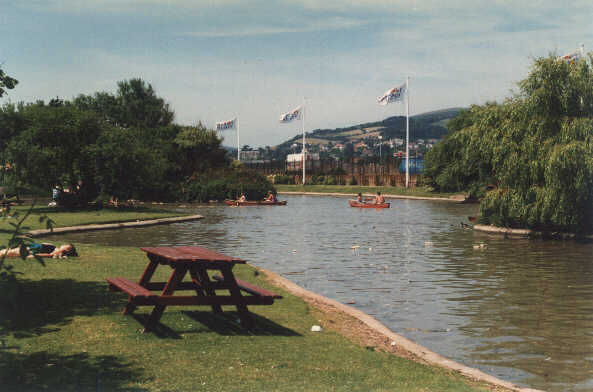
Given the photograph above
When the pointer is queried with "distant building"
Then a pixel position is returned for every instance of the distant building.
(248, 156)
(295, 161)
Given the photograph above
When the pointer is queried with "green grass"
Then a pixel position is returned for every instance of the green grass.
(67, 333)
(353, 189)
(64, 218)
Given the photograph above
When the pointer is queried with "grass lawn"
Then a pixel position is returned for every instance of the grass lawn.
(354, 189)
(64, 218)
(66, 333)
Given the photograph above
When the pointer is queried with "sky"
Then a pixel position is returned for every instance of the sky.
(212, 60)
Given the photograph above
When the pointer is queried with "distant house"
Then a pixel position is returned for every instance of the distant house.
(247, 156)
(295, 161)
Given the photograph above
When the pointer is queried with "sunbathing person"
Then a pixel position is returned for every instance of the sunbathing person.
(42, 250)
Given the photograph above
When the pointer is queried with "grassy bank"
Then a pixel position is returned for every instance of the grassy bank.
(354, 189)
(67, 333)
(63, 218)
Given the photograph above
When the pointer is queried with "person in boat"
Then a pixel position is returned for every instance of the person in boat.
(242, 198)
(359, 198)
(379, 199)
(42, 250)
(271, 197)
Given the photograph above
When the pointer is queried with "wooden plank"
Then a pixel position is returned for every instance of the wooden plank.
(129, 287)
(190, 253)
(250, 288)
(168, 300)
(159, 286)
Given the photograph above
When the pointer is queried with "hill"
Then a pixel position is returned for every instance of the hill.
(430, 125)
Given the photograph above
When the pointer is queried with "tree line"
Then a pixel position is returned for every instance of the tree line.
(124, 145)
(530, 158)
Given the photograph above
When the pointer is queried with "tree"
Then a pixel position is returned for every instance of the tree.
(55, 148)
(135, 105)
(199, 149)
(140, 107)
(536, 149)
(127, 166)
(6, 83)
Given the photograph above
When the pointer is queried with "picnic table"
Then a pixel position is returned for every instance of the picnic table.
(196, 261)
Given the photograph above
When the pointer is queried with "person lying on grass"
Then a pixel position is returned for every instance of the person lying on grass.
(42, 250)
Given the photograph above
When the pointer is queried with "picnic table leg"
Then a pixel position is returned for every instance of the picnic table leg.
(145, 278)
(201, 274)
(175, 278)
(235, 291)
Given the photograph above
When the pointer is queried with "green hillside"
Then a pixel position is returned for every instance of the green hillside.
(430, 125)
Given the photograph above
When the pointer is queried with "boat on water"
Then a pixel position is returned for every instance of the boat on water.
(354, 203)
(255, 203)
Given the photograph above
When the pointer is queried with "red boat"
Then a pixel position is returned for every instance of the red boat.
(255, 203)
(354, 203)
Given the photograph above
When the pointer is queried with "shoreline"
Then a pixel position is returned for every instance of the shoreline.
(108, 226)
(369, 328)
(525, 233)
(453, 199)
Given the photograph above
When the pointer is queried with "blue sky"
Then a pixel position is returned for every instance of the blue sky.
(212, 60)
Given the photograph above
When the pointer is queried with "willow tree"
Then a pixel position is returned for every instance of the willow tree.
(536, 148)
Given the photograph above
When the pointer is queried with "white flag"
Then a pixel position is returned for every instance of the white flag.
(292, 115)
(224, 125)
(393, 95)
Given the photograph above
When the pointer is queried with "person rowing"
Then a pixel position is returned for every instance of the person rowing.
(379, 199)
(271, 197)
(360, 199)
(242, 198)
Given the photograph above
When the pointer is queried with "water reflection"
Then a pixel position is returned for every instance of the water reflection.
(518, 309)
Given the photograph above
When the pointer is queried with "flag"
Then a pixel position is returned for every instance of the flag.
(393, 95)
(573, 56)
(223, 125)
(292, 115)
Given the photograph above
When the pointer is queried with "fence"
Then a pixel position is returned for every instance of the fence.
(388, 173)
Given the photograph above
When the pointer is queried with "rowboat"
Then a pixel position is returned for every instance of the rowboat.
(354, 203)
(255, 203)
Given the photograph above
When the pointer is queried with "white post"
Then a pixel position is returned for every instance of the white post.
(238, 145)
(304, 151)
(407, 131)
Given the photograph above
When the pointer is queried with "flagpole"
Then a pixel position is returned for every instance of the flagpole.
(407, 131)
(304, 152)
(238, 144)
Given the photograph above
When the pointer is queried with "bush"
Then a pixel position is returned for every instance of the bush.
(283, 179)
(352, 181)
(228, 183)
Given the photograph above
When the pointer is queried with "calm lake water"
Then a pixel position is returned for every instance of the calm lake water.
(521, 310)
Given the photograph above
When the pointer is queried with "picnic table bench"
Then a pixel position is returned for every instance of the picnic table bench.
(197, 262)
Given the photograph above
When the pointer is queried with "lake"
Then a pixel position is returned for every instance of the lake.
(519, 309)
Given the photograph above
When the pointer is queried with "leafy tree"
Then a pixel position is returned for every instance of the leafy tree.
(6, 82)
(140, 107)
(199, 150)
(536, 149)
(135, 105)
(55, 146)
(127, 166)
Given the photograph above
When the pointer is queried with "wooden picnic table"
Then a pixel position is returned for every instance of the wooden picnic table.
(196, 261)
